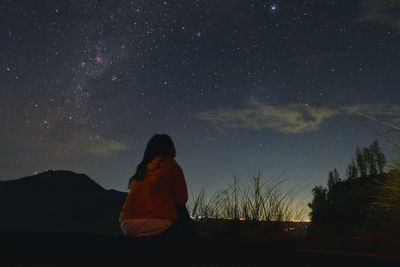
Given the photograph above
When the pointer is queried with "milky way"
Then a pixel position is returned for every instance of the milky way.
(239, 85)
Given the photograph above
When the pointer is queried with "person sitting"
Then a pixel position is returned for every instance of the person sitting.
(156, 202)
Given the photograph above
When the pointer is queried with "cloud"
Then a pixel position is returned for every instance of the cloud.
(68, 140)
(105, 148)
(86, 145)
(291, 119)
(381, 12)
(294, 118)
(388, 113)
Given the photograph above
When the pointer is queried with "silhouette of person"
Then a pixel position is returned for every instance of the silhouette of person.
(155, 205)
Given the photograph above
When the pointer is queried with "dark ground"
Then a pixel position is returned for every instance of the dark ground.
(38, 249)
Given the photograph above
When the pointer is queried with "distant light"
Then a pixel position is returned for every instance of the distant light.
(274, 7)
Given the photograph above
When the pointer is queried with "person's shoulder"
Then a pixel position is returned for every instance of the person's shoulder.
(171, 163)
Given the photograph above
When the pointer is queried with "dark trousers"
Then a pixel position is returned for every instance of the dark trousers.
(181, 228)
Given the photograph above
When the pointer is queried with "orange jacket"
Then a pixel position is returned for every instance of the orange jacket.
(158, 194)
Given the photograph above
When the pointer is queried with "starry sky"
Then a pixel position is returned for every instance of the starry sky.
(273, 85)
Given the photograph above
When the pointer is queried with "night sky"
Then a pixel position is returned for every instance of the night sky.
(238, 85)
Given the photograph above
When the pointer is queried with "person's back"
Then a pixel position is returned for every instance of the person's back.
(156, 201)
(158, 194)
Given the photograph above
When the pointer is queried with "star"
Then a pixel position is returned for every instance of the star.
(189, 70)
(99, 58)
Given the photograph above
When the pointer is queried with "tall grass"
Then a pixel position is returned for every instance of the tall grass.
(252, 199)
(386, 210)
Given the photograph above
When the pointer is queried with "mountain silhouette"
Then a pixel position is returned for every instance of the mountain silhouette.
(59, 201)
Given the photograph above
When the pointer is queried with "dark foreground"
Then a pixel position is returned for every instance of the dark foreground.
(33, 249)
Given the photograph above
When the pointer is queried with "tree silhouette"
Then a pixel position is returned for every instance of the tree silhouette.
(352, 171)
(387, 209)
(334, 178)
(369, 159)
(319, 204)
(344, 206)
(379, 157)
(361, 162)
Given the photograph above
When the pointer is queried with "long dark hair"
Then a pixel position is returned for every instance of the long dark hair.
(158, 145)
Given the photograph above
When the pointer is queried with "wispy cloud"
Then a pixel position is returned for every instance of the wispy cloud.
(105, 148)
(291, 119)
(378, 110)
(381, 11)
(68, 140)
(388, 115)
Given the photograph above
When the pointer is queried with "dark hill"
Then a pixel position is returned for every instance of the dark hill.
(59, 201)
